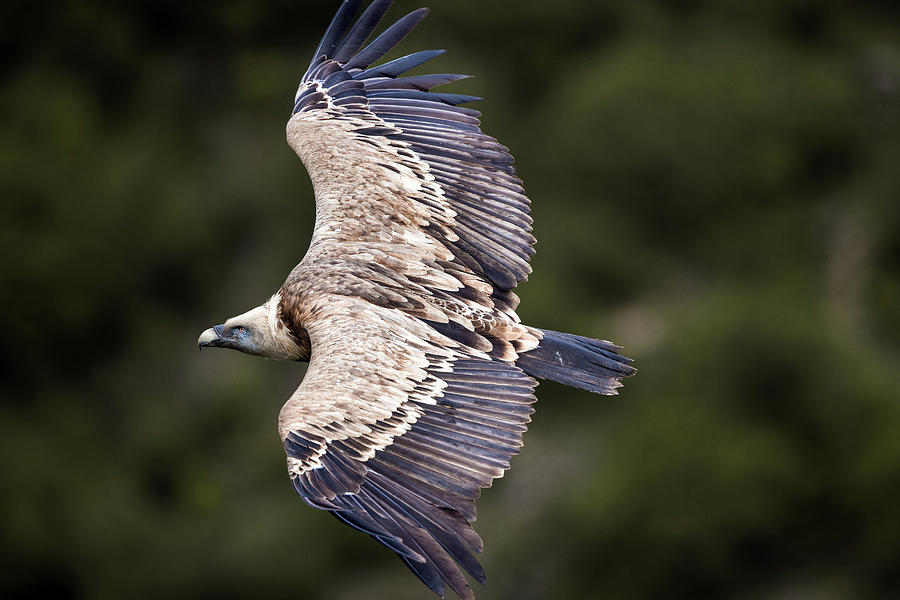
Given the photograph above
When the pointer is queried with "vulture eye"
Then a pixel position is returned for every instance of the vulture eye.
(239, 329)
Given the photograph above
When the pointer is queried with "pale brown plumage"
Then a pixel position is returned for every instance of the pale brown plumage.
(420, 379)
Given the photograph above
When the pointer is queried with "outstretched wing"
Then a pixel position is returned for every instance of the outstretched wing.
(403, 175)
(395, 430)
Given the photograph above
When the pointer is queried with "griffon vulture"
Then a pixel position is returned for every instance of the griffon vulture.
(421, 376)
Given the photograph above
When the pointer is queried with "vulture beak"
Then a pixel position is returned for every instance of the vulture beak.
(211, 337)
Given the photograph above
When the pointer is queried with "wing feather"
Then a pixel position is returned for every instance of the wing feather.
(361, 31)
(336, 29)
(398, 66)
(387, 40)
(418, 82)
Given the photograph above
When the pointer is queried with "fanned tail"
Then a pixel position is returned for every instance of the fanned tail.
(576, 361)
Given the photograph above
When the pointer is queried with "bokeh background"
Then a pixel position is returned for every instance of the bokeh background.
(716, 185)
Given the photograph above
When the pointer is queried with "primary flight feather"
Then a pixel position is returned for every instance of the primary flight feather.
(421, 375)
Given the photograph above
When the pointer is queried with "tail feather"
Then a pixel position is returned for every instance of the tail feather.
(576, 361)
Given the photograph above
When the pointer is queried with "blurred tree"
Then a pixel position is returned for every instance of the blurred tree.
(715, 185)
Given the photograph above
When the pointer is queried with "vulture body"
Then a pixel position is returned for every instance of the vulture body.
(421, 376)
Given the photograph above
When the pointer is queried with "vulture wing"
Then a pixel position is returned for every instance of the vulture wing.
(404, 172)
(395, 431)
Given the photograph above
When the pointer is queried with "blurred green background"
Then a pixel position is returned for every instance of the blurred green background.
(715, 186)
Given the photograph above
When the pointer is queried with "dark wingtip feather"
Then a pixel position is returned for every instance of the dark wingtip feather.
(337, 28)
(451, 99)
(362, 29)
(417, 82)
(426, 574)
(387, 40)
(398, 66)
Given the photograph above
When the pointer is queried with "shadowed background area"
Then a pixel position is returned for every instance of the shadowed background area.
(715, 186)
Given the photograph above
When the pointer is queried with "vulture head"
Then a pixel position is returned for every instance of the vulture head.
(258, 331)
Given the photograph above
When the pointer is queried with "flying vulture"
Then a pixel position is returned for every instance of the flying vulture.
(421, 376)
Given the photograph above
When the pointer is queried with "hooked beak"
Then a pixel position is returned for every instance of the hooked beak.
(211, 337)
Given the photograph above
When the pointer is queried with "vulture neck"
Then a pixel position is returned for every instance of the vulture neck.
(274, 337)
(287, 334)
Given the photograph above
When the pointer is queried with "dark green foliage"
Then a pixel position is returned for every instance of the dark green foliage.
(715, 187)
